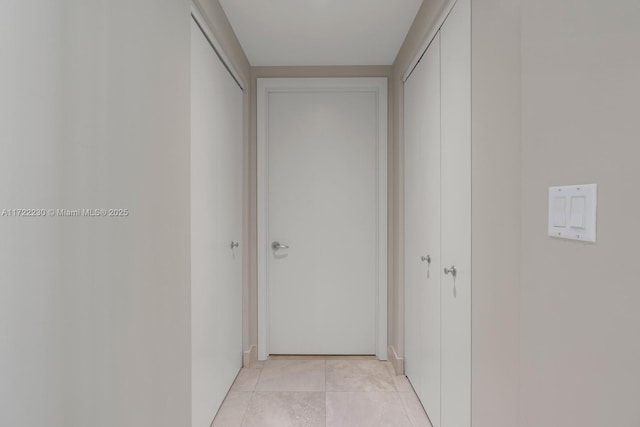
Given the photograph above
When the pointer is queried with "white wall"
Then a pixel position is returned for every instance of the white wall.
(94, 312)
(31, 250)
(580, 321)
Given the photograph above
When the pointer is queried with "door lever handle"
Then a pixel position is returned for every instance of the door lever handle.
(277, 245)
(451, 270)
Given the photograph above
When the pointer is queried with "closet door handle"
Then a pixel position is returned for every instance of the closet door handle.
(277, 245)
(426, 258)
(451, 270)
(234, 244)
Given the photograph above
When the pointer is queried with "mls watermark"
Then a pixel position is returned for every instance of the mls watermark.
(82, 213)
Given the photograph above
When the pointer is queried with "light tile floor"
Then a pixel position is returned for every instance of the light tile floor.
(317, 391)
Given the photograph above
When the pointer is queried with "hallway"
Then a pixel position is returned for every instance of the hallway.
(319, 391)
(162, 162)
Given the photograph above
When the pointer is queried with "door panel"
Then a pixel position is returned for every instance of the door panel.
(216, 214)
(456, 216)
(323, 204)
(422, 230)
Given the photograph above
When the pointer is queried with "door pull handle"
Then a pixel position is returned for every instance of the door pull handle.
(428, 259)
(451, 270)
(277, 245)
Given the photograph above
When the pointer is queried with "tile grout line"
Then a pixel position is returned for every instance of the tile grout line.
(246, 410)
(326, 403)
(253, 393)
(402, 402)
(406, 411)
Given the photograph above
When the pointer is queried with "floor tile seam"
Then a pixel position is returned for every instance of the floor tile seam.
(246, 409)
(395, 384)
(406, 410)
(326, 403)
(255, 387)
(363, 391)
(289, 391)
(393, 389)
(325, 378)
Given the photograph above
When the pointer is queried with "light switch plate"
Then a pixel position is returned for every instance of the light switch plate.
(572, 212)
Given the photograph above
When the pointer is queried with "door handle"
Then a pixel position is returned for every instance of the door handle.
(234, 244)
(451, 270)
(428, 259)
(277, 245)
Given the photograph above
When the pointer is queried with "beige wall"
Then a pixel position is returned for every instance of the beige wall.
(496, 211)
(580, 316)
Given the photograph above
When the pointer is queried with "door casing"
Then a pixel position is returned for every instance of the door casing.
(375, 85)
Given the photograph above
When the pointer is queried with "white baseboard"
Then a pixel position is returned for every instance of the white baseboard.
(250, 356)
(396, 362)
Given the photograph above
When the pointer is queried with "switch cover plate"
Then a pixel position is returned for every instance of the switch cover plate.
(572, 212)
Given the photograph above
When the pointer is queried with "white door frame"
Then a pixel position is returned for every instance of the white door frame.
(266, 86)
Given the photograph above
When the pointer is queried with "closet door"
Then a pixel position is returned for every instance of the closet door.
(422, 230)
(216, 215)
(456, 216)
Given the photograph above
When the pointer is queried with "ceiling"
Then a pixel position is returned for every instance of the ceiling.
(321, 32)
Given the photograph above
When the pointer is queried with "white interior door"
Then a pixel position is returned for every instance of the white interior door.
(216, 215)
(456, 216)
(322, 166)
(422, 230)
